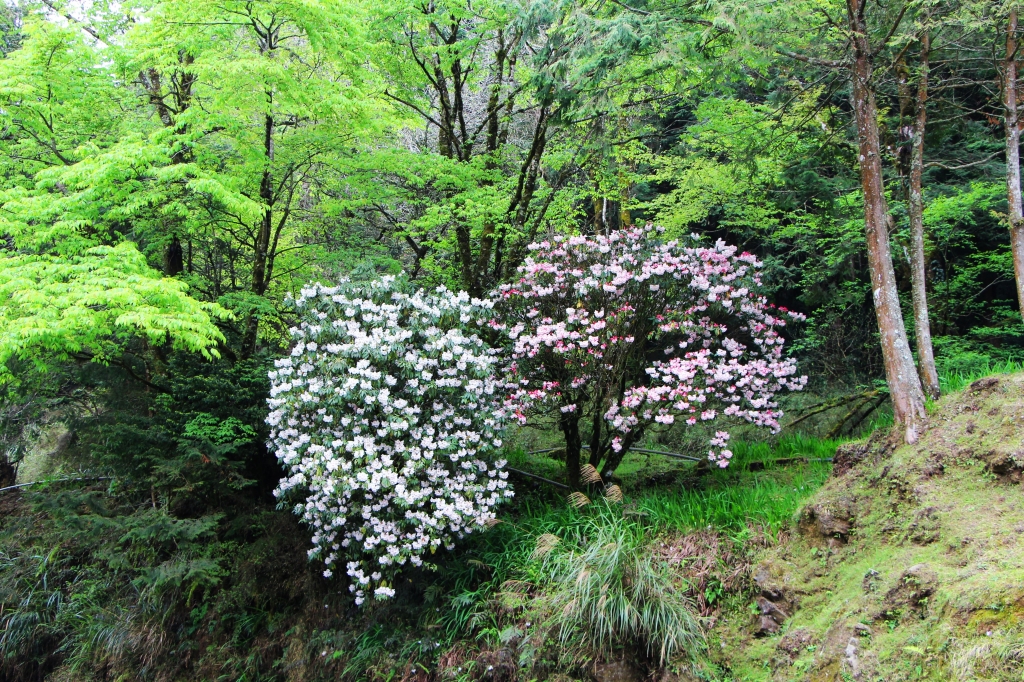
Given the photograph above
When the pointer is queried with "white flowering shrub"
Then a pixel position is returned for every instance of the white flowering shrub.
(387, 418)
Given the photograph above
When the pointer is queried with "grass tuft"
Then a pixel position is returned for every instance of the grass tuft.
(603, 590)
(951, 379)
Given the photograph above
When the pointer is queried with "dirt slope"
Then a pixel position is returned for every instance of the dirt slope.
(908, 564)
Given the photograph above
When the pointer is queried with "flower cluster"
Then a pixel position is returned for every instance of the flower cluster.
(645, 332)
(387, 417)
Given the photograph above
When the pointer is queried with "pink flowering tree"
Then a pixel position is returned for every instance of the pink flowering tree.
(612, 336)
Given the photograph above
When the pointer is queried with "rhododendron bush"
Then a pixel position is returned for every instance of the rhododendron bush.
(387, 418)
(613, 335)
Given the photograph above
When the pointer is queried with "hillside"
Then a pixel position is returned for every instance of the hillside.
(907, 564)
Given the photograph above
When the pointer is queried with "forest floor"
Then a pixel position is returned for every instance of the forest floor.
(897, 563)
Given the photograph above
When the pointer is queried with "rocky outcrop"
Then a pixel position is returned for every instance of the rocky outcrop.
(910, 594)
(773, 601)
(831, 520)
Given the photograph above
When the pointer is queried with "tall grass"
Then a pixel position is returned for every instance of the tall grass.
(952, 378)
(787, 446)
(733, 498)
(762, 498)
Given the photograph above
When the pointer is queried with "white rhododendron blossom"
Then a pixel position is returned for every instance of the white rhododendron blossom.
(387, 417)
(631, 331)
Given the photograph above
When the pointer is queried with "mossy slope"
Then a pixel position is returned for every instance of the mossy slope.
(907, 564)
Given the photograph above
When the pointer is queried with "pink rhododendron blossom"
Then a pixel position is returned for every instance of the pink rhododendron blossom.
(387, 418)
(627, 331)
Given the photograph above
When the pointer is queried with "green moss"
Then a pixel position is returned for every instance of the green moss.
(933, 564)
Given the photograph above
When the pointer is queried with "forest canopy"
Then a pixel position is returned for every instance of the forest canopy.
(246, 148)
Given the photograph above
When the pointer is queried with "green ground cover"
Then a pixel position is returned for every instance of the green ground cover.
(263, 613)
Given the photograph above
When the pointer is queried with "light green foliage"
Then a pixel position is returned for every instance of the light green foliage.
(59, 308)
(730, 161)
(264, 106)
(158, 133)
(56, 98)
(500, 102)
(759, 173)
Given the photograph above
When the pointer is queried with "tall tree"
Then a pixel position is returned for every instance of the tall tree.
(900, 373)
(914, 102)
(857, 60)
(71, 285)
(501, 99)
(1011, 126)
(274, 82)
(207, 136)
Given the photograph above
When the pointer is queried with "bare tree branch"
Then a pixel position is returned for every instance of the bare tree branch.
(829, 63)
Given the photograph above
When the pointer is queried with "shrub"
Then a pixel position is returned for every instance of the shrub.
(387, 417)
(621, 333)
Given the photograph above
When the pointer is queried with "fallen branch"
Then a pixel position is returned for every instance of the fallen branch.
(539, 478)
(57, 480)
(877, 403)
(832, 404)
(761, 465)
(689, 458)
(835, 430)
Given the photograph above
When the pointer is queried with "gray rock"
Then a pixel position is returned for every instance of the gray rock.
(617, 671)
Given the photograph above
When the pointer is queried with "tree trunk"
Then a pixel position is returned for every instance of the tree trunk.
(259, 268)
(173, 258)
(483, 260)
(519, 207)
(900, 372)
(570, 426)
(1011, 124)
(596, 427)
(614, 457)
(915, 208)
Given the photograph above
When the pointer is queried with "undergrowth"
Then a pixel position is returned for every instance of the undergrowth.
(145, 574)
(738, 503)
(460, 616)
(764, 498)
(616, 580)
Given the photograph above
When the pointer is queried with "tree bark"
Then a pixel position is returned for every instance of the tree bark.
(597, 422)
(518, 211)
(915, 208)
(1011, 123)
(614, 457)
(263, 232)
(259, 284)
(493, 114)
(901, 374)
(570, 426)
